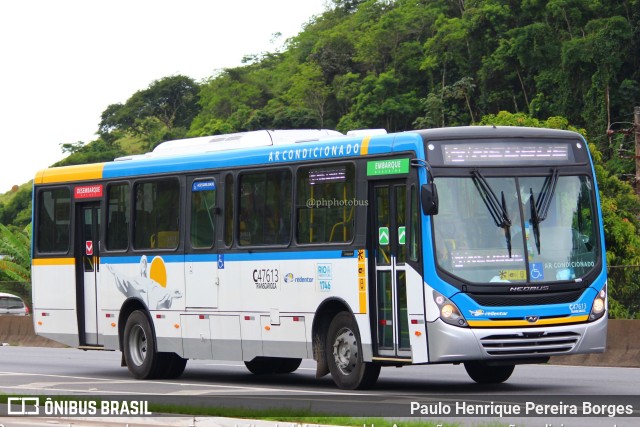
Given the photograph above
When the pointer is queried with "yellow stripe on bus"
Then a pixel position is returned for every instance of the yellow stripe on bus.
(69, 173)
(53, 261)
(501, 323)
(364, 147)
(362, 280)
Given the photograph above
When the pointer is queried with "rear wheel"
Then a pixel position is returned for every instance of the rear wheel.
(484, 374)
(344, 355)
(272, 365)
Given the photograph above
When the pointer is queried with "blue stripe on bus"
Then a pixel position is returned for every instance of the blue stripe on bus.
(263, 256)
(271, 155)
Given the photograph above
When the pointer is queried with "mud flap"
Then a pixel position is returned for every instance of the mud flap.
(322, 368)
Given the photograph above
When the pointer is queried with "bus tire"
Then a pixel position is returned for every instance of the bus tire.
(344, 355)
(484, 374)
(139, 347)
(172, 365)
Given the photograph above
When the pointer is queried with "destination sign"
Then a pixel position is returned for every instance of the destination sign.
(387, 167)
(505, 153)
(87, 191)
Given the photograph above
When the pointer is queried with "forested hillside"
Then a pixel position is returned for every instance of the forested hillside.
(409, 64)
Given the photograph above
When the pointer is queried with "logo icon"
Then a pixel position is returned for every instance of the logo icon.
(536, 270)
(578, 308)
(532, 319)
(476, 313)
(383, 236)
(288, 278)
(23, 406)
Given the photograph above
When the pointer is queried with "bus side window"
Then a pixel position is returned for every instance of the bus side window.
(53, 219)
(157, 215)
(325, 202)
(118, 217)
(265, 208)
(228, 210)
(203, 205)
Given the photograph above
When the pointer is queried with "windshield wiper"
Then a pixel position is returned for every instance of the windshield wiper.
(540, 207)
(497, 208)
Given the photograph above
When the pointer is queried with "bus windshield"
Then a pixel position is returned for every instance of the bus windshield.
(516, 229)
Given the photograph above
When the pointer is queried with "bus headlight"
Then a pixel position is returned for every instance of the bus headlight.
(599, 305)
(449, 313)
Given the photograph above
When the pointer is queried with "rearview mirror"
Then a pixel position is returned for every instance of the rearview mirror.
(429, 199)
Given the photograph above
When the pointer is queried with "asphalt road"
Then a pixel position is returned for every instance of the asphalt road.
(49, 371)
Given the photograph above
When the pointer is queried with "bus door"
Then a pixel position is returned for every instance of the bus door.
(388, 259)
(202, 260)
(88, 268)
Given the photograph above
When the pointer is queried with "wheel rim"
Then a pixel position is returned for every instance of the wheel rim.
(345, 351)
(138, 345)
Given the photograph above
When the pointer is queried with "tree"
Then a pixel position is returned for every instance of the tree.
(15, 265)
(594, 62)
(309, 92)
(171, 102)
(16, 210)
(100, 150)
(508, 74)
(442, 106)
(380, 104)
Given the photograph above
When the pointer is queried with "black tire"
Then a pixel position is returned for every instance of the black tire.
(272, 365)
(172, 365)
(143, 361)
(484, 374)
(344, 355)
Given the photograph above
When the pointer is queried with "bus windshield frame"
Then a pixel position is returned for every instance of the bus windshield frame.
(504, 222)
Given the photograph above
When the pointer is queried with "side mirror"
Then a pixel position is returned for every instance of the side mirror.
(429, 199)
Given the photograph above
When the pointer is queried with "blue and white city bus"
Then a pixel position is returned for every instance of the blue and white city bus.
(475, 245)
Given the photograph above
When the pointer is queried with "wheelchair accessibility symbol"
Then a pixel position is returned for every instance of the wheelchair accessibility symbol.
(536, 270)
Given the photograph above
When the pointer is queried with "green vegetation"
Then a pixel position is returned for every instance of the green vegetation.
(16, 261)
(409, 64)
(293, 416)
(302, 417)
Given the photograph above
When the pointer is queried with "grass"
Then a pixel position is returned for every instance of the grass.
(288, 416)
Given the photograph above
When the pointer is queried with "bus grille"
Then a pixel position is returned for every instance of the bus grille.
(530, 343)
(489, 300)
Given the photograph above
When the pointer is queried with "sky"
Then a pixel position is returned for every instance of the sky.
(63, 62)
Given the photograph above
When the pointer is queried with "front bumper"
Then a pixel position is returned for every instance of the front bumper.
(452, 344)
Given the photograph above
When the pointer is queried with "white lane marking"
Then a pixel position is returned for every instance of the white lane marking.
(106, 381)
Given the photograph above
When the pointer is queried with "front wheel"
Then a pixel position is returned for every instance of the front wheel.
(344, 355)
(485, 374)
(140, 347)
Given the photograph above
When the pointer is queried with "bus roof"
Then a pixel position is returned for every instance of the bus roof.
(240, 149)
(235, 141)
(268, 147)
(479, 132)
